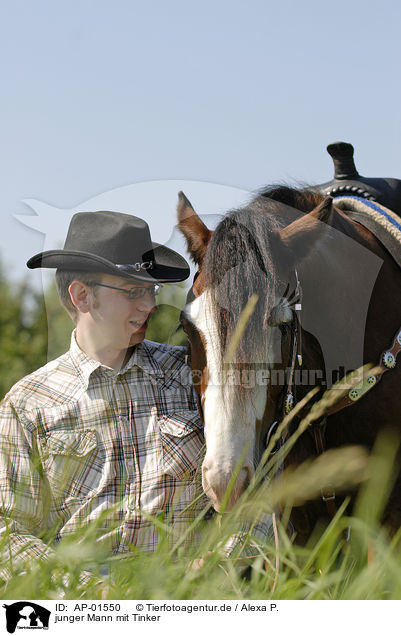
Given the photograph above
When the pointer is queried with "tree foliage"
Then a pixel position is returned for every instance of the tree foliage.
(23, 341)
(163, 325)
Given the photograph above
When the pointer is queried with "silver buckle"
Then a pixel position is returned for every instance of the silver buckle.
(136, 266)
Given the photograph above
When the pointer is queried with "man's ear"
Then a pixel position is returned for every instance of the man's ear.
(79, 294)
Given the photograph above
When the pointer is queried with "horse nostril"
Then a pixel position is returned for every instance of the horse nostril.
(216, 482)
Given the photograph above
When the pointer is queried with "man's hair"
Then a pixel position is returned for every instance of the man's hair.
(64, 279)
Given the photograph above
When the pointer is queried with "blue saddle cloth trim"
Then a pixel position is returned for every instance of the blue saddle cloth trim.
(375, 207)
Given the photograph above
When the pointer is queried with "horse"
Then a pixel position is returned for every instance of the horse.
(328, 299)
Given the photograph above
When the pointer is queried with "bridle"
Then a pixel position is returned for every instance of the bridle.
(317, 428)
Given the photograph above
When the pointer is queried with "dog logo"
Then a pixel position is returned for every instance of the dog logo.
(26, 615)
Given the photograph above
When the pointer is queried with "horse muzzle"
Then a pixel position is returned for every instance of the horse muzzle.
(219, 487)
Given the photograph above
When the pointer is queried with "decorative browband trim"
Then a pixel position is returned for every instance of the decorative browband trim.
(388, 360)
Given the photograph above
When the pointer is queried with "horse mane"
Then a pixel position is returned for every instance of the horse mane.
(240, 262)
(304, 198)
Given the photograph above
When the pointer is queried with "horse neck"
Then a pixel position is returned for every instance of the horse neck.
(337, 280)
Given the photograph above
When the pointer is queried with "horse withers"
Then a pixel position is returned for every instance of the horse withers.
(328, 300)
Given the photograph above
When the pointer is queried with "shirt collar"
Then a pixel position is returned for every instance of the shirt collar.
(84, 365)
(141, 357)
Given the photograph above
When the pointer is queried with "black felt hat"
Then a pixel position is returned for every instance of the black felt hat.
(114, 243)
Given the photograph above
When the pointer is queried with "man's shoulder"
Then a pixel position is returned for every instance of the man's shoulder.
(45, 386)
(166, 356)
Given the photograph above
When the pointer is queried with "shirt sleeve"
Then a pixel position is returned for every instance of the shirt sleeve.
(22, 498)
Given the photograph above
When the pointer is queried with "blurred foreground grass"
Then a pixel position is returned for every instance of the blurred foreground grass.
(330, 567)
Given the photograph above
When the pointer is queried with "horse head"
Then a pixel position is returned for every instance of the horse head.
(248, 255)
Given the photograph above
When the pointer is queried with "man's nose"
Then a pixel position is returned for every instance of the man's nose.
(148, 303)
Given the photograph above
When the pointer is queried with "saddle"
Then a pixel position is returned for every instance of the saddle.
(375, 202)
(347, 180)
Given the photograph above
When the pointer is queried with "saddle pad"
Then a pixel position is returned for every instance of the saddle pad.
(382, 222)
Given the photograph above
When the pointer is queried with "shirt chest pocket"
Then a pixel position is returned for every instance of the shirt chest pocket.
(72, 463)
(182, 443)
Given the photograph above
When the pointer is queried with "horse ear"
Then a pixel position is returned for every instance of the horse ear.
(195, 231)
(303, 234)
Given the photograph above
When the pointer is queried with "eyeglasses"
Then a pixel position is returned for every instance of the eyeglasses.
(135, 292)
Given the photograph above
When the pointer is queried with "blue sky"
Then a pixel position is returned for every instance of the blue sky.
(97, 96)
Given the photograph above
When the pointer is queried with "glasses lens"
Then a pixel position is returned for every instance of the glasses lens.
(139, 292)
(136, 292)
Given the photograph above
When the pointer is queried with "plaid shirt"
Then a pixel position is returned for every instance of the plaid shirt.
(78, 439)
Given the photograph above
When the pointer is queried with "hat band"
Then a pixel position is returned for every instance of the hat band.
(135, 267)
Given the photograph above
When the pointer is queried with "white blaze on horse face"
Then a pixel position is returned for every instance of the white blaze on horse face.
(230, 427)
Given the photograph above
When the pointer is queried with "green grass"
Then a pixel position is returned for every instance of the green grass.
(329, 567)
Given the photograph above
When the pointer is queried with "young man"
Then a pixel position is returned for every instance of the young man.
(112, 424)
(109, 433)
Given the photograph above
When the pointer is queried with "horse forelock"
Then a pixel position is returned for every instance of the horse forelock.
(239, 263)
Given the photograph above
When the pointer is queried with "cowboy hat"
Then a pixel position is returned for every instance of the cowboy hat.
(114, 243)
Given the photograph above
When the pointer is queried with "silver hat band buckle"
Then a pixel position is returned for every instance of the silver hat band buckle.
(136, 266)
